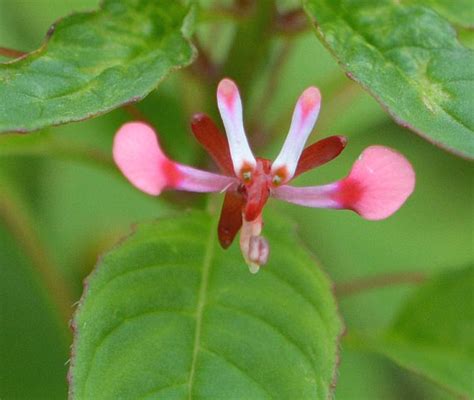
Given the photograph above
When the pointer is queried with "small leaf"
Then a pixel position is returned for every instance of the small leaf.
(409, 59)
(168, 314)
(434, 333)
(94, 62)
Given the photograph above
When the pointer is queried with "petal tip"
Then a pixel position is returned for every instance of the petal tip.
(343, 140)
(379, 183)
(137, 154)
(227, 91)
(197, 118)
(310, 100)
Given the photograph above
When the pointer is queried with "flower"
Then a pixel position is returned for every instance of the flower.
(378, 184)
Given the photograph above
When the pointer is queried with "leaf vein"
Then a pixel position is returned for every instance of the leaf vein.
(200, 305)
(237, 367)
(118, 326)
(274, 328)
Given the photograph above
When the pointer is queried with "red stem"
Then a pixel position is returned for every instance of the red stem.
(361, 285)
(11, 53)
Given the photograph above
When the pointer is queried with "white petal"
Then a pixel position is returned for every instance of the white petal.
(230, 107)
(195, 180)
(310, 196)
(304, 117)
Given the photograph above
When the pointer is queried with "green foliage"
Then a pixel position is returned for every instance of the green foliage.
(434, 335)
(459, 12)
(409, 59)
(27, 315)
(94, 62)
(168, 313)
(275, 334)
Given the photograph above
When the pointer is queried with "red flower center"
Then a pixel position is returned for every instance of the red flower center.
(257, 189)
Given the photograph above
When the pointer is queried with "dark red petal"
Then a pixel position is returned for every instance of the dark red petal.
(320, 153)
(231, 218)
(215, 143)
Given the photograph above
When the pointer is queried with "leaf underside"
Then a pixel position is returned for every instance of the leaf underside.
(94, 62)
(168, 314)
(408, 57)
(434, 336)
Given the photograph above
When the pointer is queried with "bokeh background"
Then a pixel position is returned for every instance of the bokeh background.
(62, 203)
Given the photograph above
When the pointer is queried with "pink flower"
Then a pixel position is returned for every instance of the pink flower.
(378, 184)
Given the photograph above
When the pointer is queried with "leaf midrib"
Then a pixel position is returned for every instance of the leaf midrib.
(207, 262)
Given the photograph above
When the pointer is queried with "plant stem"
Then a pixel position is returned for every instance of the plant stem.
(238, 10)
(17, 221)
(361, 285)
(135, 113)
(255, 125)
(344, 95)
(251, 45)
(292, 22)
(11, 53)
(203, 67)
(45, 146)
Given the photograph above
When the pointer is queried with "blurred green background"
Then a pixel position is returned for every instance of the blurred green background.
(62, 203)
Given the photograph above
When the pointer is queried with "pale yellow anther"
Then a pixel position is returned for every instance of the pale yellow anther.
(247, 176)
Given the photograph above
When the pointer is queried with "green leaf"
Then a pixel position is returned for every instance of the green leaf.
(434, 333)
(459, 12)
(94, 62)
(168, 314)
(409, 59)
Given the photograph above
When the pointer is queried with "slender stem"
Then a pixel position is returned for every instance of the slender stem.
(45, 146)
(361, 285)
(251, 45)
(291, 22)
(135, 113)
(11, 53)
(21, 227)
(255, 124)
(204, 67)
(344, 95)
(239, 10)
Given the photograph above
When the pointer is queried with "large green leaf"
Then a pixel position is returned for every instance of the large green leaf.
(409, 59)
(459, 12)
(168, 314)
(434, 333)
(94, 62)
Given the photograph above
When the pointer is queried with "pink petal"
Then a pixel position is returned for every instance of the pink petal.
(304, 117)
(379, 183)
(138, 155)
(230, 107)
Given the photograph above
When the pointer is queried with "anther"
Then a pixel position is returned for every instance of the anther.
(276, 180)
(247, 176)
